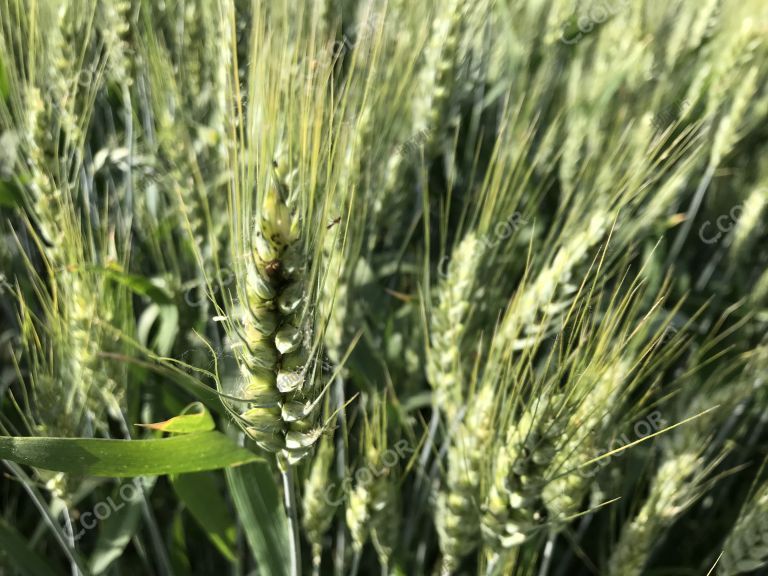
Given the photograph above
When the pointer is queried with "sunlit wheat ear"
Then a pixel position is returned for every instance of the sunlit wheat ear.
(457, 293)
(671, 492)
(746, 548)
(358, 515)
(749, 222)
(373, 507)
(512, 509)
(334, 300)
(736, 78)
(115, 16)
(681, 478)
(321, 497)
(457, 516)
(569, 481)
(690, 29)
(550, 293)
(280, 379)
(432, 107)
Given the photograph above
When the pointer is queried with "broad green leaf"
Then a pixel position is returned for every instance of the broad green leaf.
(262, 516)
(116, 531)
(126, 458)
(26, 561)
(199, 421)
(200, 494)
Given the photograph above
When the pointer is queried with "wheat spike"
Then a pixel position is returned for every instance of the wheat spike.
(319, 500)
(431, 110)
(279, 380)
(672, 491)
(748, 222)
(458, 506)
(570, 483)
(373, 506)
(457, 293)
(522, 325)
(746, 548)
(513, 510)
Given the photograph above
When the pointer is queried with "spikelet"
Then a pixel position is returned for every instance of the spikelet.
(458, 507)
(457, 293)
(746, 548)
(319, 499)
(278, 376)
(513, 510)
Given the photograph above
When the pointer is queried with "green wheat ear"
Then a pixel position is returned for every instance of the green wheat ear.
(513, 509)
(457, 516)
(279, 380)
(373, 507)
(746, 548)
(447, 368)
(321, 498)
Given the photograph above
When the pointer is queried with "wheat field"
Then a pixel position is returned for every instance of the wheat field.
(352, 287)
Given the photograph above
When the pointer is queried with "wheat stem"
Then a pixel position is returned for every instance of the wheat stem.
(289, 489)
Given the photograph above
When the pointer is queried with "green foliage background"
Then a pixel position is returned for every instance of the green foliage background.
(509, 256)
